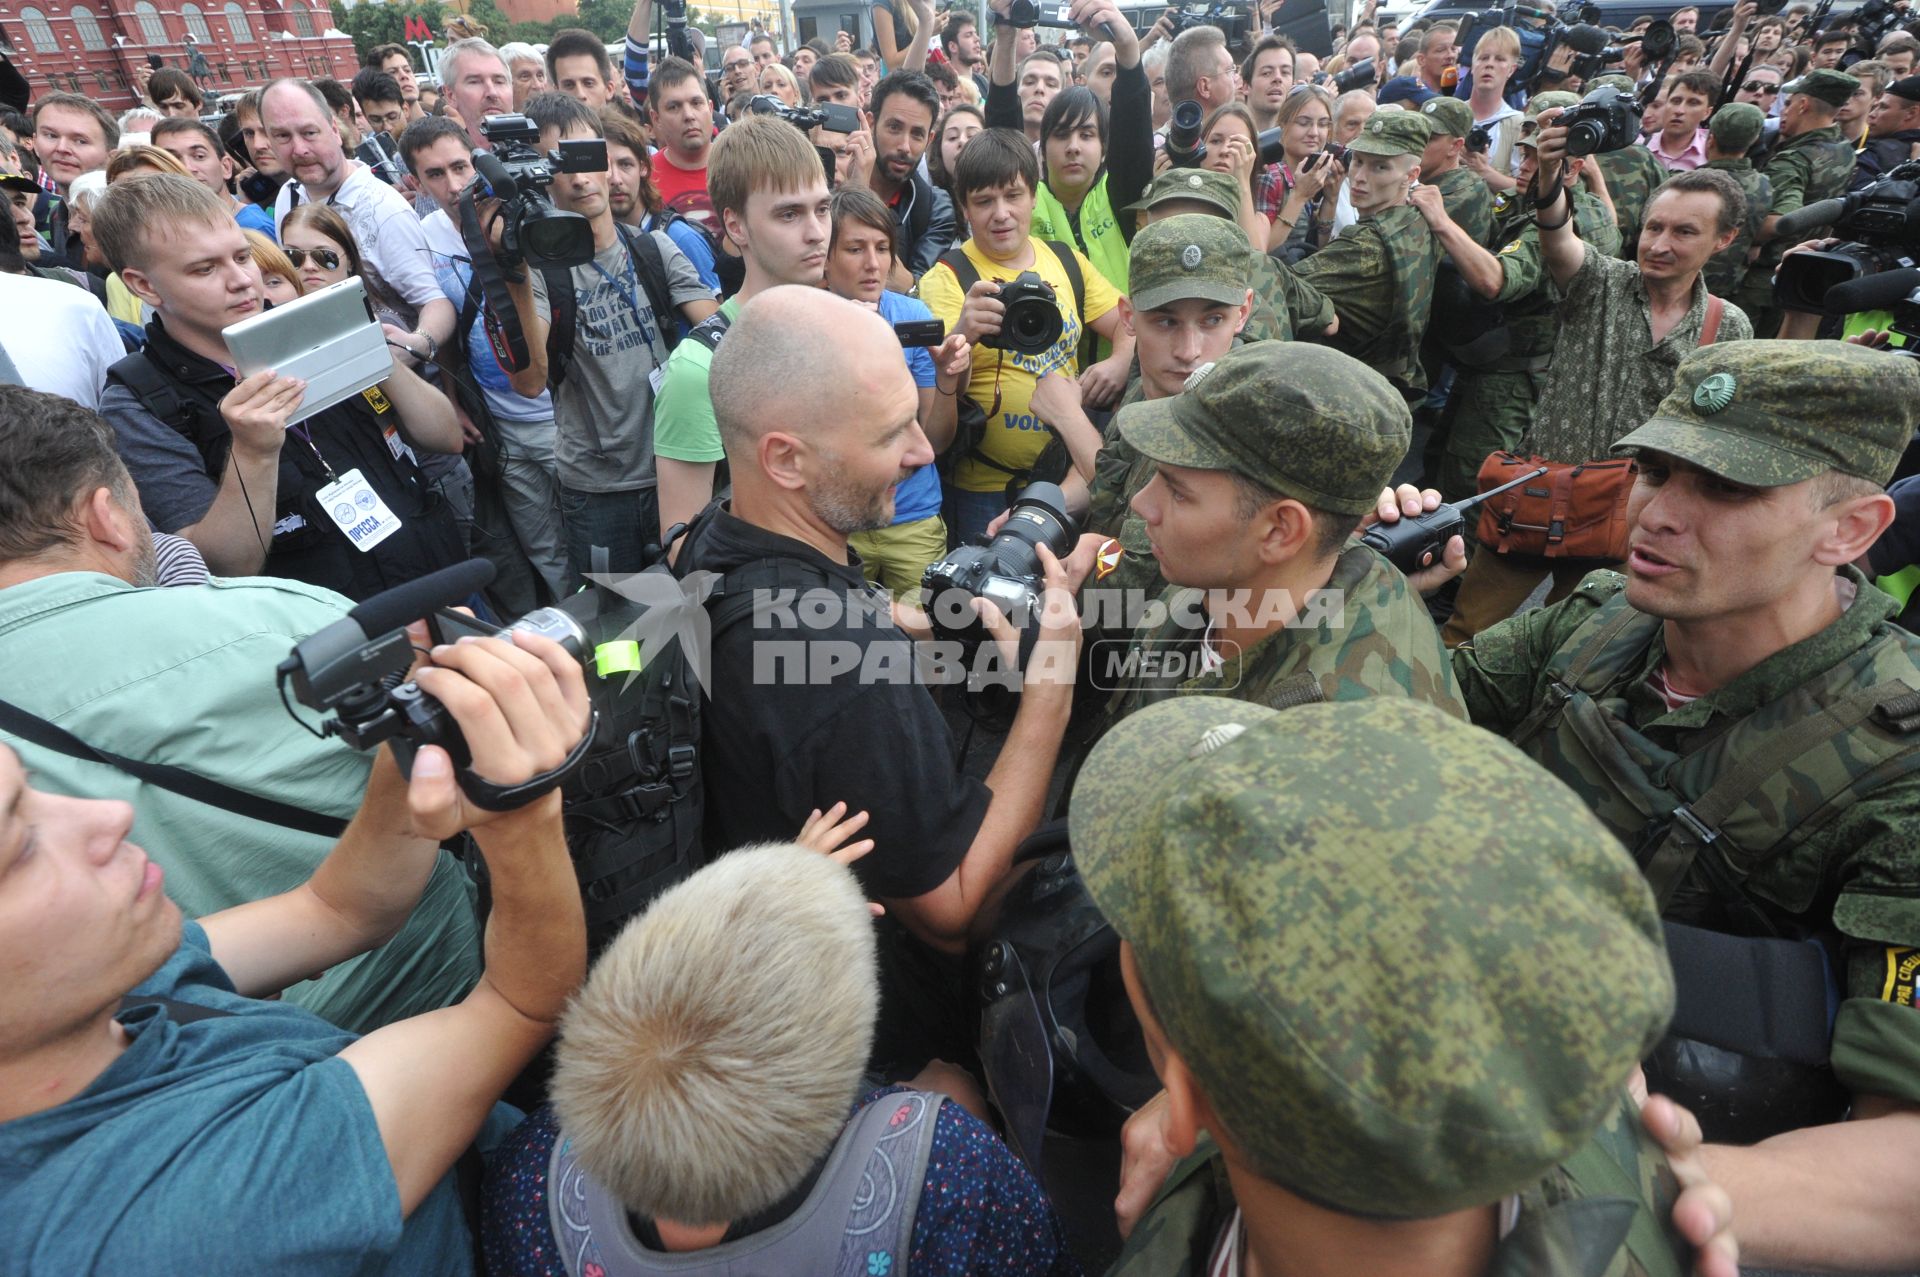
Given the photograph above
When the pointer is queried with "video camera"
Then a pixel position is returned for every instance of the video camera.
(1025, 14)
(1230, 16)
(1871, 23)
(1605, 120)
(518, 176)
(1882, 226)
(674, 13)
(1006, 571)
(834, 117)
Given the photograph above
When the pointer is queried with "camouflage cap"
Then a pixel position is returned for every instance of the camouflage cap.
(1768, 413)
(1547, 101)
(1831, 87)
(1616, 81)
(1393, 133)
(1408, 967)
(1302, 420)
(1205, 185)
(1737, 126)
(1192, 255)
(1448, 115)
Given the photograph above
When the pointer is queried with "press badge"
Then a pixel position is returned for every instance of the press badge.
(358, 510)
(657, 378)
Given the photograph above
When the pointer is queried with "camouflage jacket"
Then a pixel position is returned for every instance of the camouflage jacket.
(1604, 1211)
(1804, 170)
(1283, 304)
(1366, 634)
(1726, 268)
(1805, 770)
(1526, 288)
(1469, 202)
(1379, 276)
(1633, 174)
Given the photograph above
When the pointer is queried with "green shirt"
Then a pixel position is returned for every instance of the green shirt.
(683, 424)
(184, 676)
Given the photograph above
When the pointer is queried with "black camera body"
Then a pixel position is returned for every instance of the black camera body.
(1881, 226)
(518, 175)
(1031, 322)
(834, 117)
(1605, 120)
(1480, 138)
(1006, 571)
(1185, 148)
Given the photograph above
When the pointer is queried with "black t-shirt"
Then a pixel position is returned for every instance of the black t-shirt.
(813, 702)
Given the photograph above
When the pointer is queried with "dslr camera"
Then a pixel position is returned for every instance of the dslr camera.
(1006, 571)
(1233, 19)
(1184, 146)
(1605, 120)
(1360, 75)
(1031, 323)
(518, 175)
(1881, 224)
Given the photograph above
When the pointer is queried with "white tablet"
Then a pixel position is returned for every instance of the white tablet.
(329, 339)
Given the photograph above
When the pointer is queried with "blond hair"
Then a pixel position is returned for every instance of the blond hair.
(711, 1057)
(759, 153)
(131, 213)
(1499, 40)
(134, 159)
(273, 260)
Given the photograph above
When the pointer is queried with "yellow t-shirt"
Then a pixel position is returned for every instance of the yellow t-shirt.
(1015, 437)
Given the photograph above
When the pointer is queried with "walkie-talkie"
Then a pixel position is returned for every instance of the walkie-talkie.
(1419, 541)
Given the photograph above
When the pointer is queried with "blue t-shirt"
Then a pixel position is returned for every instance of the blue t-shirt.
(981, 1213)
(919, 497)
(254, 218)
(693, 242)
(235, 1143)
(453, 271)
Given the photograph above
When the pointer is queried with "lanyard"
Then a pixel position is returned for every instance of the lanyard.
(630, 288)
(302, 433)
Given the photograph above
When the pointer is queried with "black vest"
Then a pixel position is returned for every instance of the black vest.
(184, 390)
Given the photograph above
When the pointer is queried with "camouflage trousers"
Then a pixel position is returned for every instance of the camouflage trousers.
(1490, 412)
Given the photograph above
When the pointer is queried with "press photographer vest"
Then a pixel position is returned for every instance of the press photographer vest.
(1715, 824)
(856, 1221)
(184, 390)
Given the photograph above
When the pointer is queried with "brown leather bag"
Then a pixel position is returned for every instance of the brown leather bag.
(1576, 511)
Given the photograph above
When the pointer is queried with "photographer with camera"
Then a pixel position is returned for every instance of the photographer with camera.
(1811, 163)
(1495, 56)
(624, 307)
(1625, 177)
(144, 1061)
(826, 697)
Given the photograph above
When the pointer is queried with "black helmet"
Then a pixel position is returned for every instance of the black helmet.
(1059, 1041)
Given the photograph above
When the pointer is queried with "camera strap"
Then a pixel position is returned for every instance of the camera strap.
(504, 333)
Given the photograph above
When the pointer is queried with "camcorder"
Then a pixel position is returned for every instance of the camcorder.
(1881, 227)
(1871, 23)
(518, 175)
(1006, 571)
(355, 671)
(1026, 14)
(1031, 322)
(1233, 19)
(1605, 120)
(834, 117)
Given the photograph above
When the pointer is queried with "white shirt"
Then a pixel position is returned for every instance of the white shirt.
(60, 338)
(385, 227)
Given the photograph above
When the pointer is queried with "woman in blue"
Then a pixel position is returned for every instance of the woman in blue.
(859, 257)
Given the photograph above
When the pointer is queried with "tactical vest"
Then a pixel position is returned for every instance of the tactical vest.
(856, 1222)
(1715, 825)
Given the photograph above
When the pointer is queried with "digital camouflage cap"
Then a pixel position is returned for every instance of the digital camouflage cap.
(1768, 413)
(1615, 81)
(1547, 101)
(1205, 185)
(1448, 115)
(1192, 255)
(1831, 87)
(1407, 966)
(1298, 419)
(1393, 133)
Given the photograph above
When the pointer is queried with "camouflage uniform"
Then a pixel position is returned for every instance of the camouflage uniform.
(1734, 128)
(1270, 873)
(1633, 174)
(1469, 200)
(1808, 764)
(1805, 169)
(1311, 424)
(1379, 274)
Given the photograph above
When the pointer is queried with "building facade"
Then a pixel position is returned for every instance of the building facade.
(94, 46)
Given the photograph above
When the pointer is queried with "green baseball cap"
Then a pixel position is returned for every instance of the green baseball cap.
(1769, 413)
(1192, 255)
(1448, 115)
(1547, 101)
(1831, 87)
(1737, 126)
(1299, 419)
(1393, 133)
(1408, 967)
(1205, 185)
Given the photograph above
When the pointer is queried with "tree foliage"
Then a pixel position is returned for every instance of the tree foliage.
(371, 23)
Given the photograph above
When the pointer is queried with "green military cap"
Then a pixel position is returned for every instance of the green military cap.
(1831, 87)
(1768, 413)
(1547, 101)
(1448, 115)
(1616, 81)
(1393, 133)
(1736, 126)
(1302, 420)
(1205, 185)
(1408, 967)
(1192, 255)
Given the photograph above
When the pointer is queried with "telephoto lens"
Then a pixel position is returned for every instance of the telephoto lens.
(1184, 147)
(1006, 571)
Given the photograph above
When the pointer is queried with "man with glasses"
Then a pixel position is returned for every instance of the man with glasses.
(1761, 88)
(736, 73)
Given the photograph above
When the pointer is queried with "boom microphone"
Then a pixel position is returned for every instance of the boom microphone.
(1585, 38)
(1873, 292)
(1809, 217)
(393, 609)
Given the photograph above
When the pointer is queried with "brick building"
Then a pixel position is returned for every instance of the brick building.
(93, 46)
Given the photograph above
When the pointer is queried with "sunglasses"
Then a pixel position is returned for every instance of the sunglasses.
(1761, 86)
(324, 258)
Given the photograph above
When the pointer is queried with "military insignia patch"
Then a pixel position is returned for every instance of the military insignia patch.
(1191, 257)
(1511, 248)
(1106, 560)
(1903, 964)
(1714, 393)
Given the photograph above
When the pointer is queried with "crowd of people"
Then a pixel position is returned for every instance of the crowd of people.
(1028, 417)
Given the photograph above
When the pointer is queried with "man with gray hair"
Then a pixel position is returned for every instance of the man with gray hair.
(528, 69)
(1200, 69)
(478, 84)
(701, 1104)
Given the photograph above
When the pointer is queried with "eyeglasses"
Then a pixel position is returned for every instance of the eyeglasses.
(1761, 86)
(737, 64)
(324, 258)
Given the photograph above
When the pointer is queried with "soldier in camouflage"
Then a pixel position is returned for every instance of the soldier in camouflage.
(1263, 468)
(1631, 175)
(1503, 358)
(1379, 273)
(1276, 880)
(1737, 708)
(1469, 201)
(1731, 133)
(1812, 163)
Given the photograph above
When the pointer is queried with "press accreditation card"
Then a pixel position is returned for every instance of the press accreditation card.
(358, 510)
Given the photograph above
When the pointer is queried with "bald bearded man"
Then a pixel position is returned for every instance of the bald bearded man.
(816, 701)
